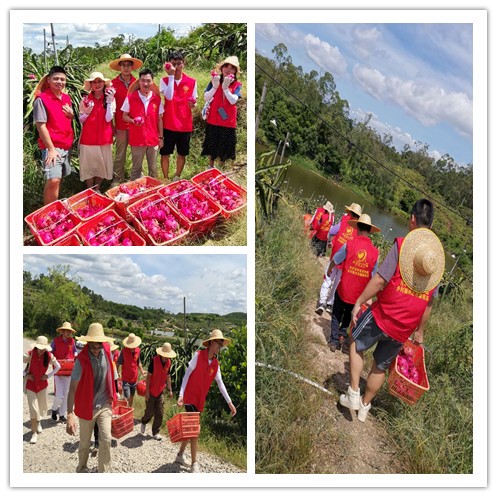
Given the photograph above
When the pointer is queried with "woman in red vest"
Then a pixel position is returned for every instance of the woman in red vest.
(359, 260)
(36, 377)
(96, 112)
(202, 370)
(129, 360)
(321, 223)
(221, 96)
(157, 378)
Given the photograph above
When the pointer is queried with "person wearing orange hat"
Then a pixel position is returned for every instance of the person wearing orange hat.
(404, 285)
(202, 370)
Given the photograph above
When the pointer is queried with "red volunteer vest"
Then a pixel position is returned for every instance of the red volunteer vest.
(130, 364)
(357, 268)
(326, 221)
(37, 369)
(177, 114)
(200, 380)
(146, 135)
(83, 401)
(96, 130)
(219, 100)
(397, 309)
(307, 226)
(159, 376)
(345, 235)
(59, 126)
(63, 349)
(115, 356)
(120, 96)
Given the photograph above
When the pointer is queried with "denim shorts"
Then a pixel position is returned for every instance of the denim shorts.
(367, 333)
(129, 389)
(61, 167)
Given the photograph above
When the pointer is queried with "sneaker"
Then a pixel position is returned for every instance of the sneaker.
(334, 346)
(319, 310)
(34, 438)
(143, 428)
(175, 178)
(329, 309)
(39, 429)
(180, 459)
(351, 399)
(195, 468)
(363, 411)
(54, 414)
(63, 419)
(157, 436)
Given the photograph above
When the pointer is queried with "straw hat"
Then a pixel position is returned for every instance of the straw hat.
(42, 343)
(364, 219)
(66, 326)
(113, 347)
(95, 75)
(137, 63)
(233, 60)
(95, 334)
(166, 350)
(216, 335)
(355, 208)
(329, 207)
(132, 341)
(421, 260)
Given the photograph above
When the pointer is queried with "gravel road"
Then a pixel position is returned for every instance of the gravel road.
(57, 452)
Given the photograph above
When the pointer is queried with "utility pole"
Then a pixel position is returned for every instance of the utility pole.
(54, 47)
(285, 143)
(184, 321)
(261, 106)
(45, 49)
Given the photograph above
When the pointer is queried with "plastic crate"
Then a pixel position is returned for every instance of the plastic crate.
(66, 367)
(200, 226)
(86, 198)
(183, 426)
(136, 220)
(69, 241)
(146, 184)
(212, 176)
(85, 229)
(120, 402)
(399, 386)
(33, 218)
(122, 421)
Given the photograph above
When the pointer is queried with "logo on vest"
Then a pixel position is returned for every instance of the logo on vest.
(211, 371)
(361, 255)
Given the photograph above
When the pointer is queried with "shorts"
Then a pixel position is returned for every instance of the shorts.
(367, 333)
(62, 166)
(180, 139)
(191, 408)
(129, 389)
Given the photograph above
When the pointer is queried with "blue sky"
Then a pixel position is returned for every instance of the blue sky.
(414, 79)
(87, 34)
(210, 283)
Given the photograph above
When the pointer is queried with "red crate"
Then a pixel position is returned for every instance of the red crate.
(136, 220)
(120, 402)
(89, 226)
(213, 175)
(399, 386)
(146, 184)
(86, 198)
(122, 421)
(183, 426)
(33, 218)
(201, 226)
(66, 367)
(69, 241)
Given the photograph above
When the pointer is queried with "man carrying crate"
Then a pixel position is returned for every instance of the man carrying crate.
(405, 285)
(91, 395)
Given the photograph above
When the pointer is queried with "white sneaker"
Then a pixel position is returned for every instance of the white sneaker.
(143, 428)
(39, 429)
(34, 438)
(195, 468)
(157, 436)
(363, 411)
(180, 459)
(351, 399)
(319, 310)
(175, 178)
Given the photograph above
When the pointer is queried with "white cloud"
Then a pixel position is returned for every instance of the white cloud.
(325, 55)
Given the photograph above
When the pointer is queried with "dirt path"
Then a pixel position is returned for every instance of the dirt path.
(360, 448)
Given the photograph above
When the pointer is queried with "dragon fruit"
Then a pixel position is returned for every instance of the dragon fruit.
(139, 120)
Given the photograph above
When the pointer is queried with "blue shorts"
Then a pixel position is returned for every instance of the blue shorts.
(61, 167)
(129, 389)
(367, 333)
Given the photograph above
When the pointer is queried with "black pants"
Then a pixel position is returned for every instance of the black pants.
(154, 409)
(340, 319)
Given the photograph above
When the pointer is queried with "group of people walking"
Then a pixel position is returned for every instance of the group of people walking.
(87, 395)
(403, 286)
(133, 111)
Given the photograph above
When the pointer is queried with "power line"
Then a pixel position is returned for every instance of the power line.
(352, 144)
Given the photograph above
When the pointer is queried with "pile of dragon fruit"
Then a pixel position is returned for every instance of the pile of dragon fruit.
(110, 232)
(131, 190)
(406, 366)
(192, 207)
(228, 198)
(159, 220)
(53, 225)
(88, 210)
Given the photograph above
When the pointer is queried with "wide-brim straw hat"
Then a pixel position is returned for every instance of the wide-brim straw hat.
(136, 86)
(137, 63)
(93, 76)
(42, 343)
(355, 208)
(233, 60)
(65, 326)
(43, 85)
(166, 350)
(95, 334)
(132, 341)
(364, 219)
(421, 260)
(216, 335)
(329, 207)
(113, 347)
